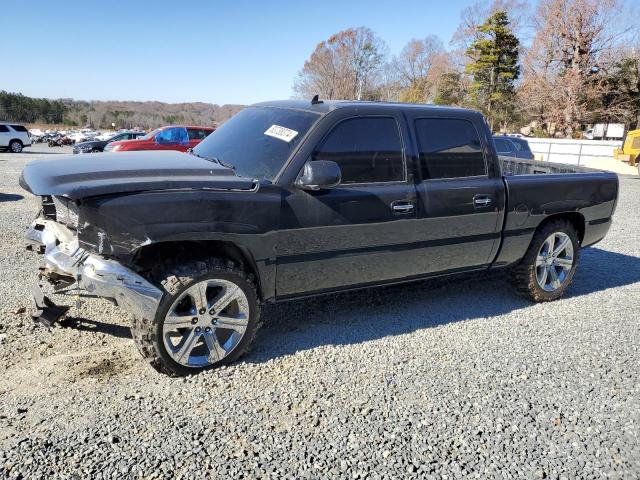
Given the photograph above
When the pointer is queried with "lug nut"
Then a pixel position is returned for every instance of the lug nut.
(202, 310)
(198, 329)
(208, 329)
(194, 320)
(214, 321)
(212, 312)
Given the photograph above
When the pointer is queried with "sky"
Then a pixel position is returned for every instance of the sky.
(221, 52)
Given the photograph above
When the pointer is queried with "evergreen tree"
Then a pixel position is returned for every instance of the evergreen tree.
(494, 68)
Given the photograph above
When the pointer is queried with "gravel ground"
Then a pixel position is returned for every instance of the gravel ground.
(431, 380)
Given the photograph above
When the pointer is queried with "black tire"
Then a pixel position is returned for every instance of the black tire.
(15, 146)
(175, 279)
(524, 275)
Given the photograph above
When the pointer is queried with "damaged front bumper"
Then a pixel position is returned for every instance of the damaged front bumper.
(65, 261)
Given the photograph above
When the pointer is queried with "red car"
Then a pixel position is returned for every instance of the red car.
(173, 137)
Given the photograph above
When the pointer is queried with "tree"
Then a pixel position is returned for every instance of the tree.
(494, 68)
(565, 68)
(450, 90)
(620, 101)
(343, 67)
(418, 67)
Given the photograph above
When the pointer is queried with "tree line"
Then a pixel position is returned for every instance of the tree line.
(16, 107)
(553, 68)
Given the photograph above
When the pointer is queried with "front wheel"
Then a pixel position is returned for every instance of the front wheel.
(208, 317)
(549, 265)
(15, 146)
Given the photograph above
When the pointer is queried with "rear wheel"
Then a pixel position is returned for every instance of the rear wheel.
(15, 146)
(550, 263)
(208, 317)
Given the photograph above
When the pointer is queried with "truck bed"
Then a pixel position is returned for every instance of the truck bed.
(517, 166)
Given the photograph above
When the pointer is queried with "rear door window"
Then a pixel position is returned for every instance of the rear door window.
(449, 148)
(367, 149)
(502, 146)
(197, 134)
(18, 128)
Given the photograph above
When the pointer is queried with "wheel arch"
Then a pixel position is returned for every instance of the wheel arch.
(575, 218)
(148, 256)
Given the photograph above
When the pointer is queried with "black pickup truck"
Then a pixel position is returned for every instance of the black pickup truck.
(294, 198)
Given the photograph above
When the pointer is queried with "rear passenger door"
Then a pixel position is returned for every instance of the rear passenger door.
(360, 231)
(460, 199)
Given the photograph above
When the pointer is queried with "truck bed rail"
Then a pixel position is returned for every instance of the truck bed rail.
(517, 166)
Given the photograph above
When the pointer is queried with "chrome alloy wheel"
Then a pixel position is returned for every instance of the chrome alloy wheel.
(205, 323)
(554, 261)
(16, 147)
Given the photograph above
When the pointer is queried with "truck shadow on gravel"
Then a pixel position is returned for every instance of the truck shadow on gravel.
(10, 197)
(95, 326)
(360, 316)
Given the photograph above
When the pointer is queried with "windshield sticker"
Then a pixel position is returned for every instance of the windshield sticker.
(281, 133)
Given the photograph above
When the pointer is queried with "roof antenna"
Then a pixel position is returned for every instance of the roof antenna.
(315, 100)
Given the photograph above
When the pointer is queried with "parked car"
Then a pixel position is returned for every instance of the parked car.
(94, 146)
(14, 137)
(174, 137)
(513, 147)
(290, 199)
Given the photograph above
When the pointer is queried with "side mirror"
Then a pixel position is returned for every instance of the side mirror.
(319, 174)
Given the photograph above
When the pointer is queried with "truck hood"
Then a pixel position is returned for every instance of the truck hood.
(76, 176)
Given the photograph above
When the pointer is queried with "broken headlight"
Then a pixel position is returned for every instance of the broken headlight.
(61, 209)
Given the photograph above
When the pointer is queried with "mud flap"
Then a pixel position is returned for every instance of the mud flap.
(47, 312)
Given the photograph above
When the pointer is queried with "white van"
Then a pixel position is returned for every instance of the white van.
(14, 137)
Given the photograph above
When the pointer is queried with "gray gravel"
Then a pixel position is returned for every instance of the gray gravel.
(432, 380)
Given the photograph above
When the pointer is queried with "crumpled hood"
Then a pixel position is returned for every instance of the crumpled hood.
(76, 176)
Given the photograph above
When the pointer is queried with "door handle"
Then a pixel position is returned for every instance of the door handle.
(400, 206)
(482, 201)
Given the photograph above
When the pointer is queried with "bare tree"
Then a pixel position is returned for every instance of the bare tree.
(418, 68)
(344, 66)
(564, 68)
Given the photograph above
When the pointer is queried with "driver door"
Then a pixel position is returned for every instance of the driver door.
(358, 232)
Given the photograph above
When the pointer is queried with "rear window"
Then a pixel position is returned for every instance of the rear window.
(18, 128)
(198, 133)
(521, 145)
(502, 146)
(449, 148)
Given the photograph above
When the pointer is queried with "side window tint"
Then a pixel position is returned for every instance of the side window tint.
(4, 128)
(367, 149)
(173, 135)
(197, 134)
(502, 146)
(518, 145)
(449, 148)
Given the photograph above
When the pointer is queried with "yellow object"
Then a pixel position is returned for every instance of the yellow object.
(630, 151)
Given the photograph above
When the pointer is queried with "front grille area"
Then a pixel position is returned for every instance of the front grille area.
(48, 207)
(60, 210)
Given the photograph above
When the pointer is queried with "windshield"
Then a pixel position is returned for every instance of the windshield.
(151, 134)
(258, 141)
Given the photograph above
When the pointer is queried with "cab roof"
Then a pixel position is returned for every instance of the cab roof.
(326, 106)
